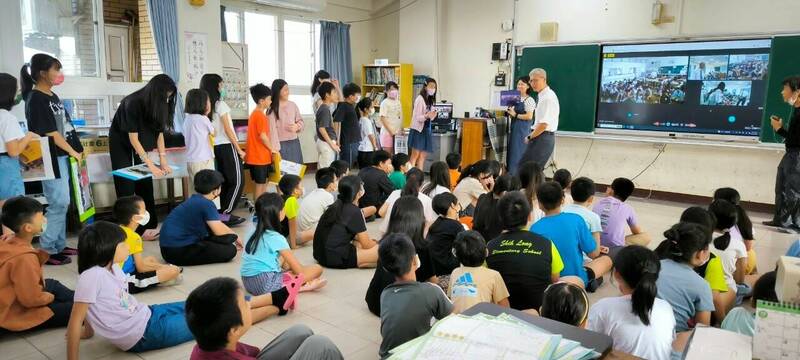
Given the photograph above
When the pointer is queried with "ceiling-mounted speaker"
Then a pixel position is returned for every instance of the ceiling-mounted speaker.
(548, 31)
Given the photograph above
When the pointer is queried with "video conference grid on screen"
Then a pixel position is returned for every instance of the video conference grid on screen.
(714, 87)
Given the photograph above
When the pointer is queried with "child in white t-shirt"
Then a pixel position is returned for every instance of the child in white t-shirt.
(640, 324)
(12, 141)
(731, 252)
(369, 142)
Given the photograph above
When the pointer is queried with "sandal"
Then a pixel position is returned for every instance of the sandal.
(292, 284)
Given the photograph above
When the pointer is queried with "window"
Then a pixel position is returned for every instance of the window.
(292, 56)
(233, 23)
(65, 29)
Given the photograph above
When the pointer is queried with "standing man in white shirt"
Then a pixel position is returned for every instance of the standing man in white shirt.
(542, 139)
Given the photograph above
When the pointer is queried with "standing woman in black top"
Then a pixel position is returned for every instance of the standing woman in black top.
(46, 117)
(787, 182)
(137, 128)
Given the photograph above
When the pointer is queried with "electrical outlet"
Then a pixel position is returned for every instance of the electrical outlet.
(660, 146)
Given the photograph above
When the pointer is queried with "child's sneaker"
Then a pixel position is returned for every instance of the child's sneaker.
(313, 285)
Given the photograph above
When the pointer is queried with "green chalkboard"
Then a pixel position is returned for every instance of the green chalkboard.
(572, 72)
(783, 61)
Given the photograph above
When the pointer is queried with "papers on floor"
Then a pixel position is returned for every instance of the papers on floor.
(483, 336)
(713, 343)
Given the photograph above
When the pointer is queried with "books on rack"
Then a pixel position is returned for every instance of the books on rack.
(490, 337)
(379, 75)
(139, 172)
(777, 331)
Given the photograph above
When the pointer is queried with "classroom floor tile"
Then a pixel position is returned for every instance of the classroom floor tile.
(338, 310)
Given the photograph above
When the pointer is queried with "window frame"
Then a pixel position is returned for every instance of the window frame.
(280, 18)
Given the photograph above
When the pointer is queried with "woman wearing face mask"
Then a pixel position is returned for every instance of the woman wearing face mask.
(46, 117)
(787, 183)
(228, 154)
(137, 128)
(12, 140)
(391, 116)
(521, 114)
(285, 116)
(420, 137)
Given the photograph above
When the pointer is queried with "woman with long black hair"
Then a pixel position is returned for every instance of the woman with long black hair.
(137, 128)
(285, 115)
(46, 117)
(228, 154)
(420, 137)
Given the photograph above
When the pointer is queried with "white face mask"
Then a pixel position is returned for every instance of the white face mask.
(431, 92)
(792, 100)
(371, 111)
(358, 98)
(144, 218)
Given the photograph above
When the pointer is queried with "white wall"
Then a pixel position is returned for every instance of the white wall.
(203, 19)
(468, 27)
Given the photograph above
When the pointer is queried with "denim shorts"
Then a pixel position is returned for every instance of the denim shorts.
(12, 184)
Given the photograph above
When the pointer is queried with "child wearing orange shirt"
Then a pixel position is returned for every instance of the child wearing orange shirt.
(258, 155)
(454, 164)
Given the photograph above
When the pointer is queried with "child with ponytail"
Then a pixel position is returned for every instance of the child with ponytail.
(685, 248)
(640, 324)
(731, 252)
(743, 230)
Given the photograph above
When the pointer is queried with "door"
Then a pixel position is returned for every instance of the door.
(117, 45)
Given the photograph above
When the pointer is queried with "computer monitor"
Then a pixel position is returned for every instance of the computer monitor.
(444, 112)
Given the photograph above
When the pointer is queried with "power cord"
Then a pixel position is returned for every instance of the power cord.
(661, 151)
(588, 151)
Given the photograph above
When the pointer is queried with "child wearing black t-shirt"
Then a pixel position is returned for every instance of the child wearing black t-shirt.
(441, 235)
(527, 261)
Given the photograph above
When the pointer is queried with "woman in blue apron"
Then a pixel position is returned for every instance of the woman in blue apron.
(521, 115)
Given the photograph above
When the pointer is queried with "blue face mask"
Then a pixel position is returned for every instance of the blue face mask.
(44, 228)
(222, 94)
(17, 99)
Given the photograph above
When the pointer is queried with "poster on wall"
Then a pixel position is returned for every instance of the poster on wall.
(196, 55)
(36, 162)
(82, 189)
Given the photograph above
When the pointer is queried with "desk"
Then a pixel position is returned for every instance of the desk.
(589, 339)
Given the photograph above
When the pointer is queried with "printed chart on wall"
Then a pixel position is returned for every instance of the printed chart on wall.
(196, 55)
(82, 189)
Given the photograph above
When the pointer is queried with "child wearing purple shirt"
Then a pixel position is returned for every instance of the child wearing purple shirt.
(615, 214)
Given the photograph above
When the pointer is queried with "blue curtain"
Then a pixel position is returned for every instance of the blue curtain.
(164, 21)
(335, 50)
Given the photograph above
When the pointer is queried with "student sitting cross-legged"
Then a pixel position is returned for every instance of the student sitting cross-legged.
(527, 261)
(103, 301)
(472, 283)
(267, 248)
(571, 236)
(616, 215)
(314, 204)
(218, 316)
(144, 272)
(28, 301)
(341, 240)
(407, 306)
(193, 233)
(441, 235)
(741, 319)
(291, 190)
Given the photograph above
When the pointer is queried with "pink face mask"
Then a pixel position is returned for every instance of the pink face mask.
(59, 79)
(393, 94)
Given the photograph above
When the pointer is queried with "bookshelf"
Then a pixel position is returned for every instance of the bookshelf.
(374, 77)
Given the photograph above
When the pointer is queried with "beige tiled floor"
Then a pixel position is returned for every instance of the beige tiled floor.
(337, 311)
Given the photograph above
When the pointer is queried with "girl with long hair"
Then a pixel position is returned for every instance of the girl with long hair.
(420, 137)
(285, 116)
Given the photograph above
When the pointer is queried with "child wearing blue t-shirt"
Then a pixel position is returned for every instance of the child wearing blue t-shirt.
(743, 320)
(267, 252)
(572, 238)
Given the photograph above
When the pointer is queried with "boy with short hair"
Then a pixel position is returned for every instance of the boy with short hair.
(144, 272)
(377, 185)
(326, 135)
(453, 161)
(400, 165)
(313, 205)
(27, 300)
(346, 123)
(258, 155)
(615, 214)
(341, 167)
(472, 283)
(528, 262)
(218, 315)
(185, 236)
(407, 306)
(564, 178)
(583, 190)
(441, 235)
(572, 238)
